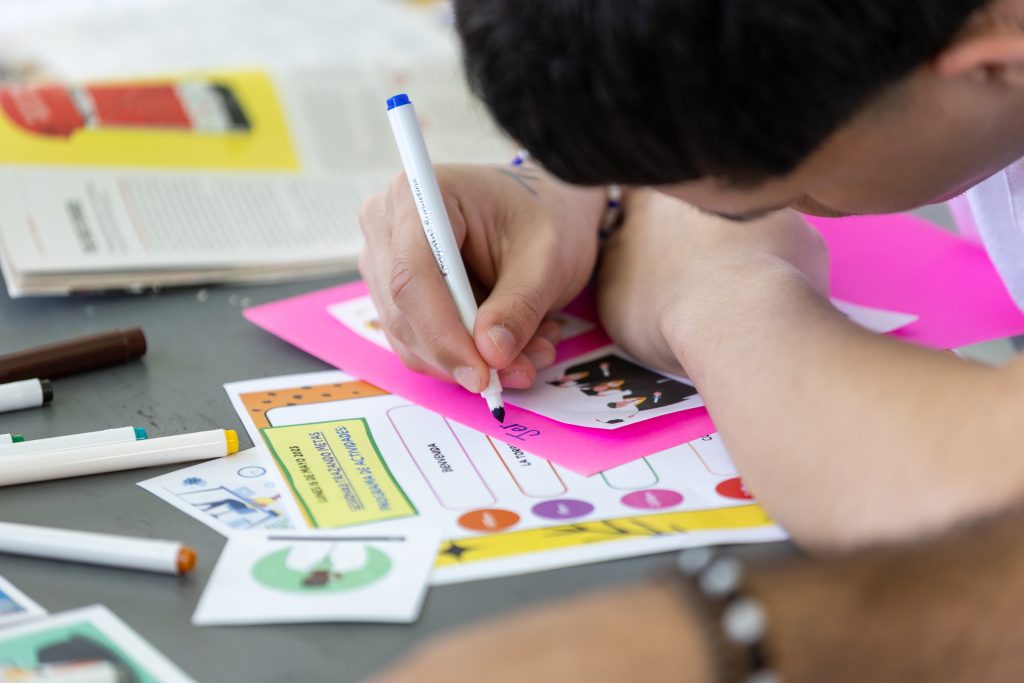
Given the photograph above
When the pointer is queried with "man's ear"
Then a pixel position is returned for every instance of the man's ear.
(991, 50)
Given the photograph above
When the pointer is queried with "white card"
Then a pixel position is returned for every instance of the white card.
(378, 574)
(239, 493)
(91, 633)
(604, 389)
(360, 316)
(874, 319)
(15, 606)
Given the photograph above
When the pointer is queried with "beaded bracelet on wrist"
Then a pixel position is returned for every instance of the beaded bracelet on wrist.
(741, 617)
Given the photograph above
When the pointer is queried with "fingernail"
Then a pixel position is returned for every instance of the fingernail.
(503, 341)
(467, 377)
(552, 331)
(514, 379)
(543, 357)
(553, 335)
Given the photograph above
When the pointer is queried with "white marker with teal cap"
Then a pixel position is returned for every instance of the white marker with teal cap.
(437, 226)
(61, 443)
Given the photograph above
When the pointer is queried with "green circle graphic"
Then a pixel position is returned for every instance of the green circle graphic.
(272, 571)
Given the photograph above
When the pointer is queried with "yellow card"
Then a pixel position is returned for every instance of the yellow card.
(337, 473)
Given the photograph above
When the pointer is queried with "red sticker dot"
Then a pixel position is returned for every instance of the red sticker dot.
(734, 488)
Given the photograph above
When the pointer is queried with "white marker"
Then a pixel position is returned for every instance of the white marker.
(28, 393)
(108, 550)
(62, 443)
(6, 439)
(437, 226)
(77, 462)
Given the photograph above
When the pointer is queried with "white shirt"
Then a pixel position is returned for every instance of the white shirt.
(997, 209)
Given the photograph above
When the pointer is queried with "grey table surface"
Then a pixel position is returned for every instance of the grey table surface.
(197, 342)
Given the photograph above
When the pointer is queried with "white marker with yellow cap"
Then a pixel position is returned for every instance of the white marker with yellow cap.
(97, 459)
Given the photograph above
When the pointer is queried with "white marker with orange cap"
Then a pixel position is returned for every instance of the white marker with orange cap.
(143, 554)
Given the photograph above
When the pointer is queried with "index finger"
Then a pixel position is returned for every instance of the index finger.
(417, 288)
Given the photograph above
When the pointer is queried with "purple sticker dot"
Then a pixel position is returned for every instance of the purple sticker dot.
(565, 508)
(652, 499)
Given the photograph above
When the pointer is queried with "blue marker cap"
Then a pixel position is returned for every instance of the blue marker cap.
(397, 101)
(140, 434)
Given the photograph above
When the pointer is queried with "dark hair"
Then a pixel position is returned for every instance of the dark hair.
(649, 92)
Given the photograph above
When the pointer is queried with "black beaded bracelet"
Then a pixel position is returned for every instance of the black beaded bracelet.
(742, 618)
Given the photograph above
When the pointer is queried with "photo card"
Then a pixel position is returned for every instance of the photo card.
(605, 389)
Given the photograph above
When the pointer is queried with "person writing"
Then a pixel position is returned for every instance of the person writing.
(725, 121)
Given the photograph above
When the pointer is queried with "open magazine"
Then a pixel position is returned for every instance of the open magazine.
(211, 176)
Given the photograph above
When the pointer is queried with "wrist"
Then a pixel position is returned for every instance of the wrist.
(736, 622)
(571, 206)
(695, 646)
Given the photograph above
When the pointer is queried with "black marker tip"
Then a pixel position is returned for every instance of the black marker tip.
(47, 388)
(499, 413)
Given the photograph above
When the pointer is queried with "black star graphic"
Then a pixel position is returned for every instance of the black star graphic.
(455, 550)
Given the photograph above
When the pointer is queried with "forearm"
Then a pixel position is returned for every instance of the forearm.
(846, 437)
(948, 610)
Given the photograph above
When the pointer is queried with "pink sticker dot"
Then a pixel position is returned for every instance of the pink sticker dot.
(652, 499)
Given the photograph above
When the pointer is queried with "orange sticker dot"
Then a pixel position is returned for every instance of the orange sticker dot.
(488, 521)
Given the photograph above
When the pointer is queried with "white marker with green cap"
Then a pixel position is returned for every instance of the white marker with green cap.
(61, 443)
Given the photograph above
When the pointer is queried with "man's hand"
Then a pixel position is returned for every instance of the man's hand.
(529, 243)
(641, 632)
(668, 253)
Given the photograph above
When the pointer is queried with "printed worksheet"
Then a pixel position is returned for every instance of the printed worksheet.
(321, 576)
(15, 606)
(242, 492)
(353, 457)
(605, 389)
(33, 650)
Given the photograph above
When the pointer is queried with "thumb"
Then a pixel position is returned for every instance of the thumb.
(510, 316)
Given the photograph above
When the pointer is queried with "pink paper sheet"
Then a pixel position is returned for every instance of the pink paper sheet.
(907, 264)
(896, 262)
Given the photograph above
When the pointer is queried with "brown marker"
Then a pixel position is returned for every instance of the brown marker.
(73, 355)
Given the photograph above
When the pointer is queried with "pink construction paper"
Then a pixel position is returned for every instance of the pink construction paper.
(904, 263)
(896, 262)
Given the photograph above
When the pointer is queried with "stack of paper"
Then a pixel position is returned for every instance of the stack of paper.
(361, 469)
